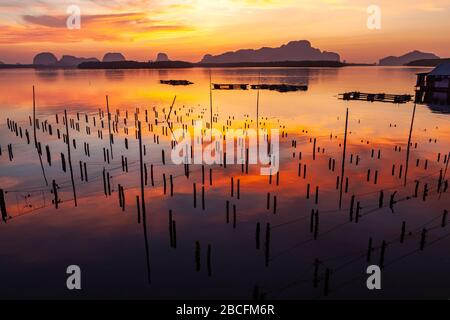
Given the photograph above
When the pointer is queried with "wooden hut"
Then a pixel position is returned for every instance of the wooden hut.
(434, 87)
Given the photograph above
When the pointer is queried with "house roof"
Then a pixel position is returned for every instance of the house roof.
(441, 70)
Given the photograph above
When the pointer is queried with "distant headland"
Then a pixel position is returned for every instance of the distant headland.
(409, 57)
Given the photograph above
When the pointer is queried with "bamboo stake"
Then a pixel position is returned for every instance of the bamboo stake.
(144, 215)
(35, 138)
(343, 159)
(70, 159)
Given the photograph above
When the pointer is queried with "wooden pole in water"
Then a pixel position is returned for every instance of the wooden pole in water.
(444, 219)
(138, 206)
(55, 193)
(210, 102)
(144, 214)
(369, 250)
(402, 235)
(170, 229)
(203, 198)
(228, 211)
(195, 195)
(257, 115)
(3, 205)
(445, 172)
(35, 138)
(70, 159)
(109, 128)
(409, 143)
(423, 239)
(343, 159)
(258, 232)
(316, 273)
(170, 111)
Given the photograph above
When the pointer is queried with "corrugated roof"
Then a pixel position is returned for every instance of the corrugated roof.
(441, 70)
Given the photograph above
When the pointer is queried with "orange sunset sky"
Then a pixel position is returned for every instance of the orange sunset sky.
(188, 29)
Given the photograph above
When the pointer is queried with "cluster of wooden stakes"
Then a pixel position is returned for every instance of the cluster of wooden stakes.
(153, 121)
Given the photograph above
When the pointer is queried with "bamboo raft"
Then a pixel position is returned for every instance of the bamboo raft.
(176, 82)
(378, 97)
(230, 86)
(280, 87)
(273, 87)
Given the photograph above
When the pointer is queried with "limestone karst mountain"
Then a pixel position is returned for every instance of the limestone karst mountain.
(162, 57)
(113, 56)
(45, 59)
(293, 51)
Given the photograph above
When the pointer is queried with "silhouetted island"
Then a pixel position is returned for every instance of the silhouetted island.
(293, 51)
(45, 59)
(428, 62)
(162, 57)
(68, 61)
(406, 58)
(113, 56)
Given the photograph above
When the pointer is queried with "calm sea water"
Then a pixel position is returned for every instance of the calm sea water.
(39, 242)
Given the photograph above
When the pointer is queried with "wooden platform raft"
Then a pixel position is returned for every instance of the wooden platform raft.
(273, 87)
(376, 97)
(176, 82)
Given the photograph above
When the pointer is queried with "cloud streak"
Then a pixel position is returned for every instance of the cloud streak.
(100, 27)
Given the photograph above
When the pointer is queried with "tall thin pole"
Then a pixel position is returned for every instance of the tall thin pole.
(343, 159)
(70, 158)
(171, 107)
(445, 172)
(144, 214)
(409, 142)
(210, 101)
(35, 137)
(109, 127)
(257, 115)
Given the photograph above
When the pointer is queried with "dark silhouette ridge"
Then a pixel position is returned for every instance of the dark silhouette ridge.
(18, 66)
(49, 60)
(406, 58)
(292, 51)
(428, 62)
(113, 56)
(294, 64)
(135, 65)
(72, 61)
(162, 57)
(45, 59)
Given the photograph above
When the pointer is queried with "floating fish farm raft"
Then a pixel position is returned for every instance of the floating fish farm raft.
(379, 97)
(176, 82)
(273, 87)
